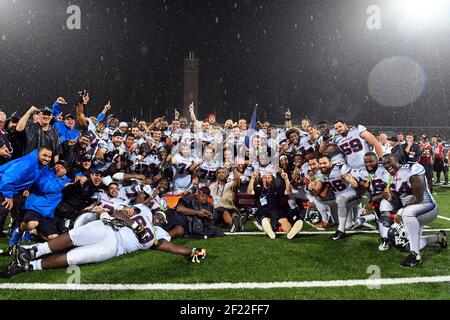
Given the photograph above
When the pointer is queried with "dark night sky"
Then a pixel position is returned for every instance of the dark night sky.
(311, 56)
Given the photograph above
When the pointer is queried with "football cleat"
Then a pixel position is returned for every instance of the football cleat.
(8, 252)
(26, 237)
(358, 223)
(384, 244)
(198, 254)
(442, 239)
(242, 221)
(235, 227)
(296, 228)
(338, 235)
(267, 228)
(15, 268)
(114, 222)
(24, 255)
(15, 237)
(412, 260)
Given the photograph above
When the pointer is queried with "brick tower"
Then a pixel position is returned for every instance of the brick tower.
(190, 83)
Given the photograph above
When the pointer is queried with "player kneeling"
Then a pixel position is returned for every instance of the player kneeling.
(132, 228)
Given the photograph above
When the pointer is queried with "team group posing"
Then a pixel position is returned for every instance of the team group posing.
(91, 188)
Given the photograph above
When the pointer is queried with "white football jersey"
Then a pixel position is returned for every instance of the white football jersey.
(130, 192)
(182, 176)
(128, 242)
(92, 133)
(207, 172)
(109, 146)
(377, 180)
(305, 144)
(403, 185)
(110, 203)
(353, 146)
(334, 180)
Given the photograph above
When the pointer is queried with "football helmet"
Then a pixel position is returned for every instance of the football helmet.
(313, 216)
(398, 237)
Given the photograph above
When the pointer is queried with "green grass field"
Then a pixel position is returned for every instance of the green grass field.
(257, 259)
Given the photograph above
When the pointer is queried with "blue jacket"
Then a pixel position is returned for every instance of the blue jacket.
(64, 132)
(19, 174)
(46, 193)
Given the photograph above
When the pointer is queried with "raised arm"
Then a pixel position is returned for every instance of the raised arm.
(373, 141)
(23, 121)
(287, 119)
(83, 101)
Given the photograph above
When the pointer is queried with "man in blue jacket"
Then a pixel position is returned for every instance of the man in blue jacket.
(66, 129)
(18, 175)
(39, 207)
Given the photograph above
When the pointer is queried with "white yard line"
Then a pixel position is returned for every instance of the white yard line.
(445, 218)
(224, 285)
(255, 233)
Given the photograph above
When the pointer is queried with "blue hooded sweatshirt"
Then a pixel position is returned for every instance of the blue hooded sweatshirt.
(65, 133)
(19, 174)
(46, 193)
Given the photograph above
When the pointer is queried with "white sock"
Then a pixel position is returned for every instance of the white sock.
(37, 264)
(424, 241)
(383, 230)
(342, 222)
(413, 230)
(349, 221)
(370, 217)
(42, 249)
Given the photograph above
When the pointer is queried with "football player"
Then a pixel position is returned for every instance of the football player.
(131, 229)
(355, 143)
(419, 207)
(108, 151)
(375, 179)
(207, 169)
(183, 166)
(339, 180)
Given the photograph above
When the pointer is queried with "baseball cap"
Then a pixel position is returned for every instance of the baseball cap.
(62, 162)
(424, 136)
(69, 115)
(45, 110)
(123, 124)
(86, 157)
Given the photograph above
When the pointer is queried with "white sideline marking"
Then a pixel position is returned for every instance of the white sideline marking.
(224, 285)
(445, 218)
(255, 233)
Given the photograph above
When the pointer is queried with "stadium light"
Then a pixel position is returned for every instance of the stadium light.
(422, 14)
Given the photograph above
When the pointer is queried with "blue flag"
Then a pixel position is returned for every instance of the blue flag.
(251, 128)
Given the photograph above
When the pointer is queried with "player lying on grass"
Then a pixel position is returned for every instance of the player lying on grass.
(132, 228)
